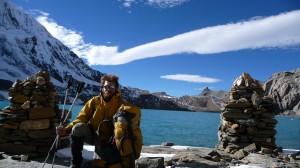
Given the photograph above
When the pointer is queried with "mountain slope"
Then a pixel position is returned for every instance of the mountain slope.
(26, 48)
(284, 87)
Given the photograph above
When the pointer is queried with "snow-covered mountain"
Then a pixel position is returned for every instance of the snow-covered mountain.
(26, 48)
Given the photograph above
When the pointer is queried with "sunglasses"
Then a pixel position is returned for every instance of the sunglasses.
(107, 87)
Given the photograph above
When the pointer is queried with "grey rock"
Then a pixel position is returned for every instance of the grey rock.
(150, 162)
(251, 148)
(167, 143)
(192, 158)
(284, 87)
(250, 122)
(240, 154)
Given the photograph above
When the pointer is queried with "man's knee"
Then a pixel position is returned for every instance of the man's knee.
(85, 131)
(79, 130)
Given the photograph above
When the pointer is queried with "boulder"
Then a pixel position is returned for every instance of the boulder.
(284, 87)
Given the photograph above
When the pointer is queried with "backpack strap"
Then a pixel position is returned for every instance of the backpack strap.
(129, 130)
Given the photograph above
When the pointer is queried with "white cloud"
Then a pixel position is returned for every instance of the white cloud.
(128, 3)
(190, 78)
(166, 3)
(74, 40)
(275, 31)
(71, 38)
(155, 3)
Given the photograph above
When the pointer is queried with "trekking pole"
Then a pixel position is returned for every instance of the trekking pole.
(69, 83)
(70, 80)
(55, 143)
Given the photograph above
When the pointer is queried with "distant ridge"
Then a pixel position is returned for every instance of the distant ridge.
(26, 47)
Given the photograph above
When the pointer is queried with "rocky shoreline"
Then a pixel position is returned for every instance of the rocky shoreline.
(246, 133)
(188, 157)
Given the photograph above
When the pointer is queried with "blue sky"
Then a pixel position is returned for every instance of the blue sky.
(177, 46)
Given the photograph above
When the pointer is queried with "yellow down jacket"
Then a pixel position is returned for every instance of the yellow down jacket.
(96, 110)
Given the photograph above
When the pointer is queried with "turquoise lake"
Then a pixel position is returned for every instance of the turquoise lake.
(196, 128)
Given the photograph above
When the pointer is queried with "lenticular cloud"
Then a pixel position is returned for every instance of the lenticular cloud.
(280, 31)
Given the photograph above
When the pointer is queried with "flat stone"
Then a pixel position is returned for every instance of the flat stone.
(150, 162)
(266, 150)
(259, 159)
(9, 126)
(232, 115)
(35, 124)
(20, 98)
(239, 154)
(250, 148)
(238, 105)
(42, 112)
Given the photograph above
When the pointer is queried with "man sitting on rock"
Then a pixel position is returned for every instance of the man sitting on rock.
(100, 123)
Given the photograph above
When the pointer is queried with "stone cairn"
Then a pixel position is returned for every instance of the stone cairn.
(28, 124)
(247, 120)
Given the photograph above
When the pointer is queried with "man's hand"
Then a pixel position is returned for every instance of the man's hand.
(61, 131)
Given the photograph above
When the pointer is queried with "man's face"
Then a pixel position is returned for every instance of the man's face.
(108, 90)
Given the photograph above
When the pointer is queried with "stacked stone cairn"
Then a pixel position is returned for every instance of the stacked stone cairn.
(28, 125)
(247, 120)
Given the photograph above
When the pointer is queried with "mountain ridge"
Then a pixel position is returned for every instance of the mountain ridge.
(26, 47)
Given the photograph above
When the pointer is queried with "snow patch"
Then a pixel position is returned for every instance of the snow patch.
(88, 153)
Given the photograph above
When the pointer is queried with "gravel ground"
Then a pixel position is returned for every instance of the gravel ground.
(8, 162)
(188, 158)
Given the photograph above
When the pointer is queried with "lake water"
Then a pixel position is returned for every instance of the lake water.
(197, 128)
